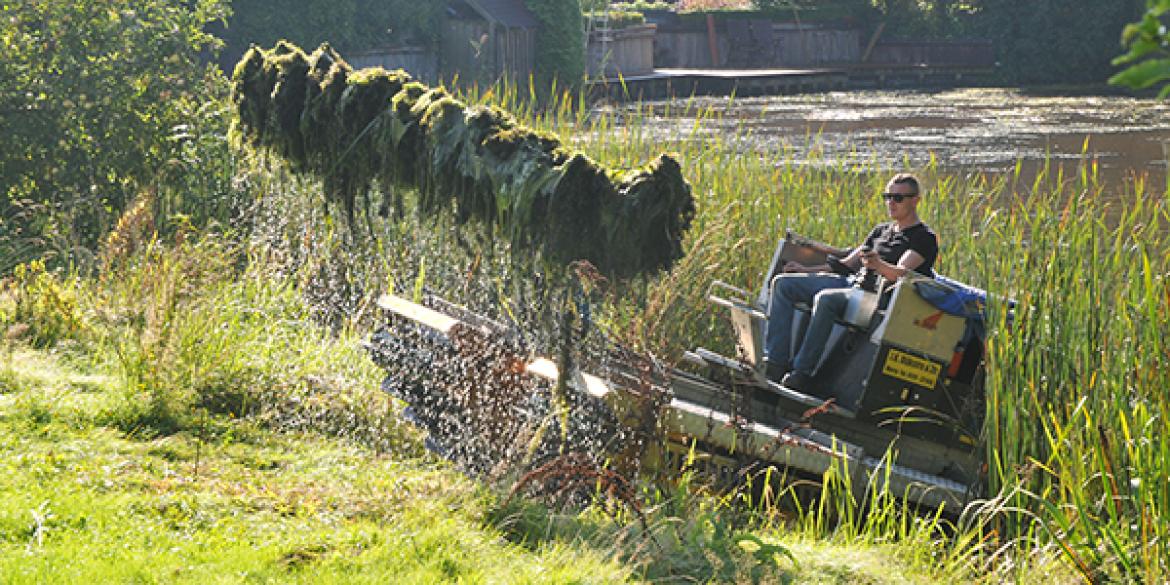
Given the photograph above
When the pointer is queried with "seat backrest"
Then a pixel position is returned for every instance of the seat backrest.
(913, 323)
(794, 248)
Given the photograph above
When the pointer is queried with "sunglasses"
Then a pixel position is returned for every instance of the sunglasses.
(897, 197)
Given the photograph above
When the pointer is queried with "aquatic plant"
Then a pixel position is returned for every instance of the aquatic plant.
(360, 129)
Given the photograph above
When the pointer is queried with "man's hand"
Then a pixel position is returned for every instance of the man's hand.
(870, 260)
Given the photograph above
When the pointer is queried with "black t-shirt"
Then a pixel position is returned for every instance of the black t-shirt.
(891, 244)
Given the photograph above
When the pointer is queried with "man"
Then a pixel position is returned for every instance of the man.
(891, 250)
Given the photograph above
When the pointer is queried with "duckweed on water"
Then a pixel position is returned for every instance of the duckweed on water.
(358, 129)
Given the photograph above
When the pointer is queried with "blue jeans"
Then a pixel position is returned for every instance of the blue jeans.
(827, 293)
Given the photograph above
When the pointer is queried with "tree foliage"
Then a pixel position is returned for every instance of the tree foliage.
(560, 42)
(1148, 59)
(1054, 41)
(1037, 41)
(348, 25)
(90, 95)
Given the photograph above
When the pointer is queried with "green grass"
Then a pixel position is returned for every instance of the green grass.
(235, 502)
(221, 496)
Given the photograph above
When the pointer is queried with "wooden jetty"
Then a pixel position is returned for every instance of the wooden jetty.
(886, 64)
(666, 83)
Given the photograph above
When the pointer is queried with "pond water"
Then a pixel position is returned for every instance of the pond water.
(965, 129)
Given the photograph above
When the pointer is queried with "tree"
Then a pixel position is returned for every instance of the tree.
(347, 25)
(1148, 58)
(1054, 41)
(90, 93)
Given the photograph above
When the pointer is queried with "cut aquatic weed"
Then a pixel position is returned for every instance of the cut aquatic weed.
(574, 474)
(552, 205)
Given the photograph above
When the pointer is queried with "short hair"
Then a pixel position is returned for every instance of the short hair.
(907, 179)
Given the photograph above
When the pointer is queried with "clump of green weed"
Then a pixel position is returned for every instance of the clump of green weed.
(197, 332)
(44, 308)
(142, 307)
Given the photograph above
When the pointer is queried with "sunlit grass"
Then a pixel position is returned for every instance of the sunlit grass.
(232, 501)
(186, 336)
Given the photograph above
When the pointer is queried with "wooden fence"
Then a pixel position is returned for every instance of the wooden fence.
(417, 61)
(627, 51)
(475, 50)
(789, 46)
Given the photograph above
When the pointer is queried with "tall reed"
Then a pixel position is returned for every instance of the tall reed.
(1077, 433)
(1076, 427)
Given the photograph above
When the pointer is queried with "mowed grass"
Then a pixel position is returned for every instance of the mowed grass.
(84, 502)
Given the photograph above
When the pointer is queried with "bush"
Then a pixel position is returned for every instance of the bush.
(90, 96)
(44, 308)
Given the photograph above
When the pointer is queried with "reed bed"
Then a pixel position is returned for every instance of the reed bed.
(1077, 433)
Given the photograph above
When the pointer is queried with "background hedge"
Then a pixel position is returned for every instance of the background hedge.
(560, 43)
(348, 25)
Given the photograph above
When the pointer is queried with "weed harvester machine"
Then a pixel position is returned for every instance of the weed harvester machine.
(896, 401)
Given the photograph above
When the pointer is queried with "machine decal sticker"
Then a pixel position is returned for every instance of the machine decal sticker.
(913, 369)
(929, 323)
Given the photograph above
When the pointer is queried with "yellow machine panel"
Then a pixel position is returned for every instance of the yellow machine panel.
(910, 368)
(915, 324)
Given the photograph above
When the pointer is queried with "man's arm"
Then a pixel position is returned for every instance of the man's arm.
(891, 272)
(792, 266)
(853, 260)
(923, 249)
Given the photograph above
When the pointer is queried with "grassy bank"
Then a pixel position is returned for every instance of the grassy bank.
(204, 398)
(229, 501)
(215, 433)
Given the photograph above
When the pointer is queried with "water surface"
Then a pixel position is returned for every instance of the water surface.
(964, 129)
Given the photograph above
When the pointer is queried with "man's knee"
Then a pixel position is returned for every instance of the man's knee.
(781, 289)
(787, 285)
(779, 280)
(831, 300)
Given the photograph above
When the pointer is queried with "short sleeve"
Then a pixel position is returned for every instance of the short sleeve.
(925, 242)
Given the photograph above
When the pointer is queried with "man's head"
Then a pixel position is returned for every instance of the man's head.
(901, 196)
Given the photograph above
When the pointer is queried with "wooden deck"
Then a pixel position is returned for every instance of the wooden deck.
(667, 83)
